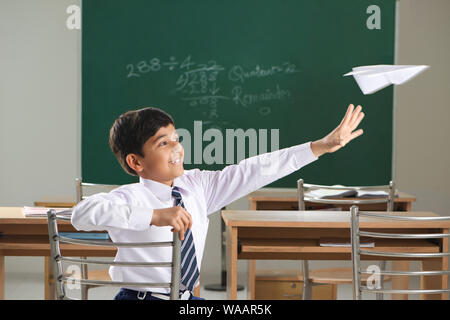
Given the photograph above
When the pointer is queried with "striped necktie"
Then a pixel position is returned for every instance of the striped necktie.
(189, 267)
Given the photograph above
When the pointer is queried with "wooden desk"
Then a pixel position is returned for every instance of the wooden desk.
(295, 235)
(21, 236)
(286, 199)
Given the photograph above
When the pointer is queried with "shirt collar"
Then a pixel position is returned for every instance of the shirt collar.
(162, 191)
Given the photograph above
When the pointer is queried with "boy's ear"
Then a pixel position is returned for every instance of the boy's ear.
(134, 162)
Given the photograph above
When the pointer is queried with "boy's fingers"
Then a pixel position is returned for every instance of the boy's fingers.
(358, 121)
(185, 223)
(190, 220)
(176, 226)
(355, 134)
(355, 115)
(179, 229)
(347, 116)
(189, 217)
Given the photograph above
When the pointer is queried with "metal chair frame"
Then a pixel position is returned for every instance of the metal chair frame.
(61, 279)
(80, 186)
(358, 289)
(301, 186)
(81, 195)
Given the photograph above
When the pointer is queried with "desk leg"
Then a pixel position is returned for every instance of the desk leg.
(232, 247)
(49, 280)
(197, 290)
(251, 267)
(2, 277)
(435, 282)
(400, 282)
(251, 279)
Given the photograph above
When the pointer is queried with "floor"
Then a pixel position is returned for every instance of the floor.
(24, 281)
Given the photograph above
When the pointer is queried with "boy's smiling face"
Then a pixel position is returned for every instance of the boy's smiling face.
(163, 157)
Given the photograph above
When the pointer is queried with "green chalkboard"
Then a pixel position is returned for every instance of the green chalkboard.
(271, 68)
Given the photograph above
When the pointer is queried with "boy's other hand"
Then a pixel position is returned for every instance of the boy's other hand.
(177, 217)
(343, 134)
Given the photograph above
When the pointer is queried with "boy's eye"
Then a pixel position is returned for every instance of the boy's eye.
(176, 138)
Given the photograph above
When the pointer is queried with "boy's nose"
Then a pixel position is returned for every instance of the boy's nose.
(176, 145)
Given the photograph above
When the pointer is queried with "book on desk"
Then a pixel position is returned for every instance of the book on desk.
(85, 235)
(327, 193)
(41, 212)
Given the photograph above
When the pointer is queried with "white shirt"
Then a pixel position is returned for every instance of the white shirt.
(126, 212)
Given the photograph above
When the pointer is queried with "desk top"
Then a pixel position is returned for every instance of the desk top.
(323, 219)
(12, 213)
(290, 194)
(15, 215)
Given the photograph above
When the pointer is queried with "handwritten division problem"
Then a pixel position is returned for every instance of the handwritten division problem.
(200, 84)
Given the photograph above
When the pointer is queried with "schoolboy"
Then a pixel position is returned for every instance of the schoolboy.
(169, 199)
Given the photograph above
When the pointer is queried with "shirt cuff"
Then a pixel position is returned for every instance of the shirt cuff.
(140, 218)
(303, 154)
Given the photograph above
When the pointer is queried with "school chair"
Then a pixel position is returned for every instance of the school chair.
(84, 190)
(373, 288)
(338, 276)
(62, 279)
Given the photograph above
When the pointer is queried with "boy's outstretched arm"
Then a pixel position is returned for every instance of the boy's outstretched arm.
(235, 181)
(343, 134)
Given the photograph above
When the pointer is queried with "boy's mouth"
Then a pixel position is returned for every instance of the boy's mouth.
(176, 161)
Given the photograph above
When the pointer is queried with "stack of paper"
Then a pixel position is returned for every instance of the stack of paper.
(371, 194)
(328, 193)
(42, 211)
(370, 79)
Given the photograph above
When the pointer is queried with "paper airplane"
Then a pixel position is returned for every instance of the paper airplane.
(370, 79)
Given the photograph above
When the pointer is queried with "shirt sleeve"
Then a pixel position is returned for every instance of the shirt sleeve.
(235, 181)
(114, 210)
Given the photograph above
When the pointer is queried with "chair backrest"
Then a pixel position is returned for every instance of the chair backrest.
(85, 189)
(356, 233)
(303, 188)
(61, 279)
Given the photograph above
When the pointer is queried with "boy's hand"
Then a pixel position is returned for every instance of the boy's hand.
(177, 217)
(343, 134)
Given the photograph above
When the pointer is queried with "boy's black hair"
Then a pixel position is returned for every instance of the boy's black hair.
(132, 129)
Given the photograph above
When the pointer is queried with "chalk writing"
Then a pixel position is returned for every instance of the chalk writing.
(201, 85)
(238, 73)
(242, 98)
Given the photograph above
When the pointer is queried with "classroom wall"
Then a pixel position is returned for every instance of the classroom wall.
(40, 107)
(422, 110)
(39, 101)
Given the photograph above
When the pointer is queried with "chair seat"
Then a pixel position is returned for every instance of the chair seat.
(337, 276)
